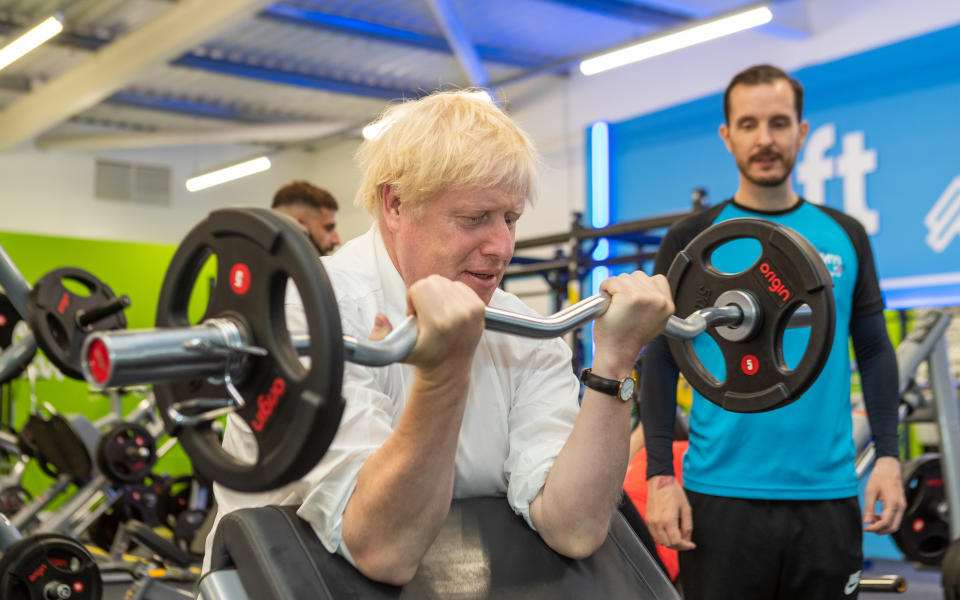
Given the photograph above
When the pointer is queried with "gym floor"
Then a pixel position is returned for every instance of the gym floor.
(923, 583)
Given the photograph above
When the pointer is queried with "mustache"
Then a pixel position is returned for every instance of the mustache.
(764, 155)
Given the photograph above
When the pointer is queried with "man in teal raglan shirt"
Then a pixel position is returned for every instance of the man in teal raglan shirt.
(768, 507)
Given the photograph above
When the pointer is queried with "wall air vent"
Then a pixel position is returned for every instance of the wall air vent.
(128, 182)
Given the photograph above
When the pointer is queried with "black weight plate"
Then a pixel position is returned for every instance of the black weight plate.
(126, 453)
(53, 312)
(189, 523)
(27, 438)
(59, 450)
(788, 273)
(293, 412)
(175, 498)
(32, 564)
(142, 502)
(105, 528)
(924, 533)
(13, 498)
(137, 502)
(9, 317)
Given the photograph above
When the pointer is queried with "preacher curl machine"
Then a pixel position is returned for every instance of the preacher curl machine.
(242, 358)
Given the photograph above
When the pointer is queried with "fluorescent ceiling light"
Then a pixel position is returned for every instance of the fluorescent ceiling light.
(677, 40)
(30, 40)
(202, 182)
(373, 130)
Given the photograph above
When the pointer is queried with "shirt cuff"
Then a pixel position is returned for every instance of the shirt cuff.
(527, 482)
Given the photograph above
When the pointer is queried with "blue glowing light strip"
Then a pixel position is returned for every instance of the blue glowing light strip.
(599, 212)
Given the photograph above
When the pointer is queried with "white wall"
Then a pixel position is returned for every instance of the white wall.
(52, 193)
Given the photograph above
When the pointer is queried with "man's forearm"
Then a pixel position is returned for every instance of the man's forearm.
(877, 363)
(573, 510)
(658, 405)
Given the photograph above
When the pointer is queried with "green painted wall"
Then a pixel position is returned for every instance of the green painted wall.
(130, 268)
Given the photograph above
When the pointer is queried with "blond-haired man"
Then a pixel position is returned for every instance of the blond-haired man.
(470, 413)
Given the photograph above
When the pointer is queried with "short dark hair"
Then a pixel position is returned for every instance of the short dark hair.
(304, 193)
(758, 74)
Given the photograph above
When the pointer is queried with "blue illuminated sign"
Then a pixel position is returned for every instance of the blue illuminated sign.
(884, 129)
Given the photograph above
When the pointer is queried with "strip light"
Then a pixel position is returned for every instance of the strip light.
(600, 192)
(703, 32)
(373, 130)
(29, 40)
(599, 212)
(202, 182)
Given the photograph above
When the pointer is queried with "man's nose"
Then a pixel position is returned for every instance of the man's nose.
(764, 137)
(500, 241)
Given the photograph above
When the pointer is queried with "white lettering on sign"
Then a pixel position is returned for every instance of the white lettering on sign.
(943, 220)
(854, 163)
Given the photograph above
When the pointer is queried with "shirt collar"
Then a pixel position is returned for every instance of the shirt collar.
(394, 289)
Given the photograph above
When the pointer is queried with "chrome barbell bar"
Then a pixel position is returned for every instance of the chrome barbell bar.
(210, 349)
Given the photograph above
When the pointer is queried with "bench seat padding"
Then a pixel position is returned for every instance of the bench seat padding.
(483, 550)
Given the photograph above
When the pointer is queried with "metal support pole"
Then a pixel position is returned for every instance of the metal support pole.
(944, 388)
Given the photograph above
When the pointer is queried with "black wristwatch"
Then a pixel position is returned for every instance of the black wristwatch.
(622, 389)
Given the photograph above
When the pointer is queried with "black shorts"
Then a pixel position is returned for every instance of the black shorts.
(773, 549)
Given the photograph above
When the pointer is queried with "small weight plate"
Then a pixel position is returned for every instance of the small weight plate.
(53, 310)
(126, 453)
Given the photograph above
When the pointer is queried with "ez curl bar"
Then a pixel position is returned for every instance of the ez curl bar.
(241, 358)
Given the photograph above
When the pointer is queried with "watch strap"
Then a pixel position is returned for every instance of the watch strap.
(600, 384)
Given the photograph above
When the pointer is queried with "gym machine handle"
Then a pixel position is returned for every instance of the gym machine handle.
(219, 346)
(9, 535)
(14, 285)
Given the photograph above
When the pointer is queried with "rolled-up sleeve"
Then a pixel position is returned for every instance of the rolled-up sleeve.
(365, 426)
(367, 422)
(540, 420)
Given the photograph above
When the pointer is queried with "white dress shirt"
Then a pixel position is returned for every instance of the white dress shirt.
(520, 409)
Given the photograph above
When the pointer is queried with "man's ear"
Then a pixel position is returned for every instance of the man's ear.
(724, 132)
(390, 207)
(804, 129)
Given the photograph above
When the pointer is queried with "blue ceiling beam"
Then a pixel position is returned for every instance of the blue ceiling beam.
(182, 106)
(294, 15)
(306, 80)
(627, 10)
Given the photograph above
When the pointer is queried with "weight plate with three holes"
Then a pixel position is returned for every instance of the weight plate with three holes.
(54, 306)
(292, 410)
(127, 453)
(788, 274)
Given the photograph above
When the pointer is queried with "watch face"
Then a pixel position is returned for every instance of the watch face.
(626, 389)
